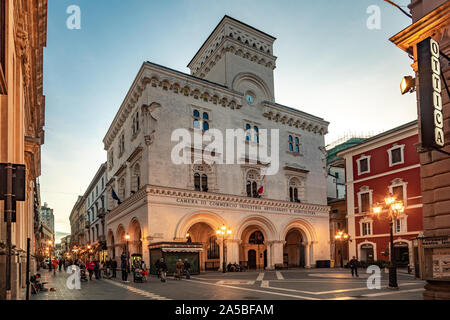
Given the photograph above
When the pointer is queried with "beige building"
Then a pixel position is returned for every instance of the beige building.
(78, 223)
(231, 86)
(23, 33)
(431, 18)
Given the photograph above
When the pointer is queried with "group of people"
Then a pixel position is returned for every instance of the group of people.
(180, 269)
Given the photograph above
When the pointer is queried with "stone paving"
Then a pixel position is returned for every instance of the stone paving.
(302, 284)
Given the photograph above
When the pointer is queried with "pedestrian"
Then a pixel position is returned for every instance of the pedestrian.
(108, 268)
(113, 268)
(187, 267)
(100, 269)
(96, 269)
(124, 267)
(158, 269)
(179, 269)
(90, 268)
(55, 266)
(61, 263)
(354, 266)
(163, 269)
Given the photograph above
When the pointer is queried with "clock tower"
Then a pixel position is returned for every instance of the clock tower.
(239, 57)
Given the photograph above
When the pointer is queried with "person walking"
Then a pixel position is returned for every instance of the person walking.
(113, 268)
(90, 268)
(354, 266)
(61, 263)
(163, 269)
(55, 266)
(124, 267)
(187, 267)
(179, 268)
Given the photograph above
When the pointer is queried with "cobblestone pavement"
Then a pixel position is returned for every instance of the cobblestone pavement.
(303, 284)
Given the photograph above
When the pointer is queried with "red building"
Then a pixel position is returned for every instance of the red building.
(385, 164)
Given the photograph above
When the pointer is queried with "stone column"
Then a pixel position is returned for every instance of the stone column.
(232, 246)
(270, 265)
(307, 255)
(277, 252)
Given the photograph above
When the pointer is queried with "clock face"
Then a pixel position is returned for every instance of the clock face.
(249, 98)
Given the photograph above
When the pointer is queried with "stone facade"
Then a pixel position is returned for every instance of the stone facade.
(96, 208)
(23, 33)
(161, 201)
(431, 18)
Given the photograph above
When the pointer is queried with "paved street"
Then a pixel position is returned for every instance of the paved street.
(303, 284)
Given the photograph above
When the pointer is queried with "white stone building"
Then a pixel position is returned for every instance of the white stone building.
(231, 86)
(96, 208)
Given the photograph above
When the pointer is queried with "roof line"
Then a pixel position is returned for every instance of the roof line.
(235, 20)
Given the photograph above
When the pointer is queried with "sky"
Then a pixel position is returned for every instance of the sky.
(329, 64)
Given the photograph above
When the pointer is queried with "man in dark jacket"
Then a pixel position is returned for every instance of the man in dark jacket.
(353, 264)
(163, 269)
(187, 267)
(113, 268)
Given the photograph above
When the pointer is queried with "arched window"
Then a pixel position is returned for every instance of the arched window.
(196, 114)
(247, 129)
(204, 183)
(205, 116)
(197, 182)
(136, 178)
(205, 126)
(256, 133)
(251, 186)
(256, 237)
(213, 248)
(294, 186)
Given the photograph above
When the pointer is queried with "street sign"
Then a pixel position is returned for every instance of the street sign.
(18, 183)
(431, 118)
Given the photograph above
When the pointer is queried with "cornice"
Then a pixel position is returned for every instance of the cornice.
(150, 190)
(294, 118)
(435, 20)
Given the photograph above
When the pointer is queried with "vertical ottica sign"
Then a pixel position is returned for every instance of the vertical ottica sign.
(431, 119)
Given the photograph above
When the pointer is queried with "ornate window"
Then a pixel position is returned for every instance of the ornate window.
(121, 144)
(296, 189)
(111, 158)
(256, 237)
(252, 183)
(200, 178)
(396, 155)
(251, 133)
(363, 164)
(201, 121)
(122, 189)
(136, 178)
(213, 248)
(135, 127)
(399, 190)
(294, 143)
(366, 227)
(364, 199)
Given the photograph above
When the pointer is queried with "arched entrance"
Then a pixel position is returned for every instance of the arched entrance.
(203, 233)
(294, 250)
(401, 253)
(121, 245)
(111, 245)
(135, 243)
(253, 248)
(367, 253)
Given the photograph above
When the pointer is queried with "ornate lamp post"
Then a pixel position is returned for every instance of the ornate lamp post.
(224, 232)
(394, 208)
(341, 237)
(127, 237)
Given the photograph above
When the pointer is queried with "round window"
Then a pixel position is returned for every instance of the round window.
(250, 98)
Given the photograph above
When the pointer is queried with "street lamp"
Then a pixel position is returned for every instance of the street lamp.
(127, 237)
(395, 208)
(224, 232)
(341, 237)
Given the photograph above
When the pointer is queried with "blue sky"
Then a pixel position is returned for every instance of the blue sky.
(329, 64)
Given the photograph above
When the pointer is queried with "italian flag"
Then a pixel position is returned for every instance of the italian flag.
(261, 189)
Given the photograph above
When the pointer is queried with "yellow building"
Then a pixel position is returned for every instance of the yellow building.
(23, 34)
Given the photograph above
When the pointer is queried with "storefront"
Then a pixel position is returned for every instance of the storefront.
(171, 252)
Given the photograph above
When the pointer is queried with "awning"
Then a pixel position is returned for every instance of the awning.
(182, 249)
